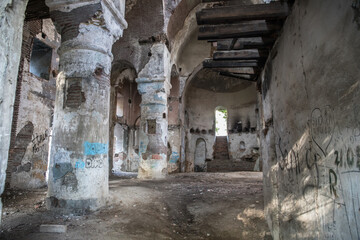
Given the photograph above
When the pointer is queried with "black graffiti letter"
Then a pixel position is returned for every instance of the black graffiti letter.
(350, 157)
(332, 184)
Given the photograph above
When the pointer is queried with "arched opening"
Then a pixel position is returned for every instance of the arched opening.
(124, 111)
(221, 117)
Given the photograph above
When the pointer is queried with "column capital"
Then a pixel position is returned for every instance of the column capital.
(152, 85)
(112, 17)
(88, 30)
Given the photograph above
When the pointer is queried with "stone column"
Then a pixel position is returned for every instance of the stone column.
(78, 167)
(154, 86)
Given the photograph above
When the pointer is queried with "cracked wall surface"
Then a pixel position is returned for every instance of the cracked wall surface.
(310, 124)
(34, 106)
(11, 24)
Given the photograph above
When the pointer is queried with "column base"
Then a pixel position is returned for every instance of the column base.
(77, 207)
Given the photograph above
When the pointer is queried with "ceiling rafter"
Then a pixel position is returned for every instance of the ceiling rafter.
(234, 14)
(243, 35)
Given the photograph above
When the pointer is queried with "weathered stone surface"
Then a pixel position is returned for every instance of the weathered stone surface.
(33, 109)
(145, 29)
(310, 125)
(154, 86)
(79, 151)
(11, 24)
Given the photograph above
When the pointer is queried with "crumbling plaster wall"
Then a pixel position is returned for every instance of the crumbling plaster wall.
(200, 120)
(34, 104)
(11, 24)
(186, 51)
(175, 123)
(311, 124)
(145, 27)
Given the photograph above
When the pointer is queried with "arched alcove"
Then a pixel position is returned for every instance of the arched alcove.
(200, 155)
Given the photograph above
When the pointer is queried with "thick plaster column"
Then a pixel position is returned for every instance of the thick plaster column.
(154, 86)
(78, 167)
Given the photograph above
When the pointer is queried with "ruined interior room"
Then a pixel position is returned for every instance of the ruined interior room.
(180, 119)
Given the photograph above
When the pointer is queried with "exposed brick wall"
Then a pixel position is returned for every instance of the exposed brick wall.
(30, 30)
(68, 23)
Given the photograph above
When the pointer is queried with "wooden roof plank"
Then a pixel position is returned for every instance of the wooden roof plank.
(233, 14)
(239, 30)
(240, 54)
(209, 63)
(227, 74)
(245, 43)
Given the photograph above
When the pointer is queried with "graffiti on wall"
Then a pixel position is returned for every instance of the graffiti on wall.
(322, 128)
(90, 163)
(326, 167)
(95, 148)
(90, 151)
(174, 157)
(80, 165)
(39, 140)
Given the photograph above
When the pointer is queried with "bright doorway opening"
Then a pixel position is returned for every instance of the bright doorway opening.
(221, 116)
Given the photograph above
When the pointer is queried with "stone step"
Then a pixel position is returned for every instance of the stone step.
(221, 148)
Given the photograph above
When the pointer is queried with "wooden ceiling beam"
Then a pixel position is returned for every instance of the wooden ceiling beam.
(207, 1)
(234, 14)
(227, 74)
(240, 54)
(246, 29)
(244, 70)
(246, 43)
(209, 63)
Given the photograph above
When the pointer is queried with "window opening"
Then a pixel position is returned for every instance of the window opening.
(119, 105)
(40, 61)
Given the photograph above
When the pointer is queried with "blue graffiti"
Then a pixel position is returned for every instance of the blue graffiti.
(174, 157)
(95, 148)
(142, 147)
(80, 164)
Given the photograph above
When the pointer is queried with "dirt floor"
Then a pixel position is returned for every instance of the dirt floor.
(184, 206)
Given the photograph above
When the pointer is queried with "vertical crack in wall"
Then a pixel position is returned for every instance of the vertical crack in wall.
(356, 7)
(302, 55)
